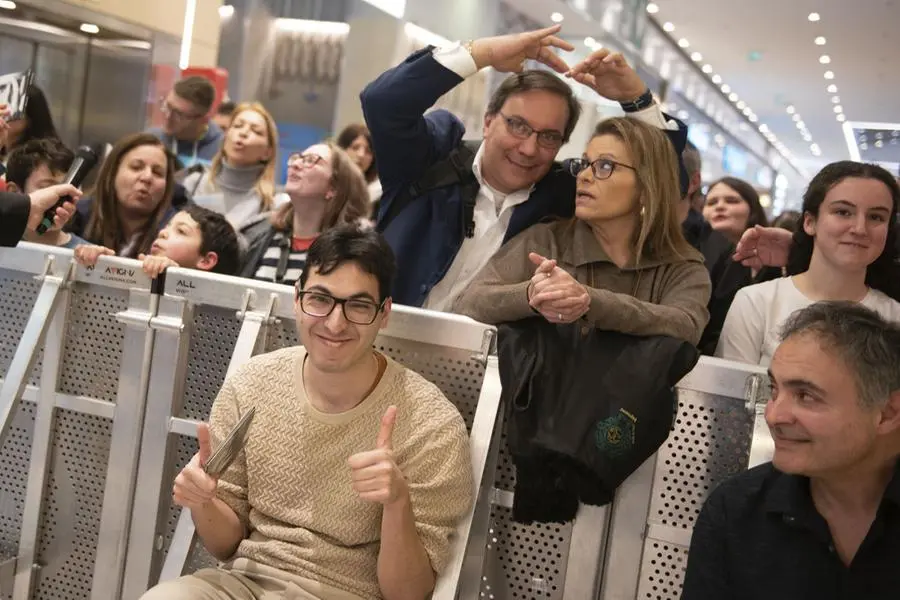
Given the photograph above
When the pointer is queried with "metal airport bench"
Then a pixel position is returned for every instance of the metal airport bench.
(103, 381)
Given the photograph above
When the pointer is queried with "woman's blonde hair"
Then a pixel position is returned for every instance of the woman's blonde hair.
(105, 225)
(265, 185)
(659, 234)
(350, 202)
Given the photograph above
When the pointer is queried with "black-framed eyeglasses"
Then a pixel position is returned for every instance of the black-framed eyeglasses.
(307, 160)
(547, 138)
(169, 110)
(602, 168)
(356, 310)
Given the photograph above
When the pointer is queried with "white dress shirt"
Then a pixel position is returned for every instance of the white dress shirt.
(493, 211)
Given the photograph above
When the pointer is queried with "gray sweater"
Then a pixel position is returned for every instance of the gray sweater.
(234, 193)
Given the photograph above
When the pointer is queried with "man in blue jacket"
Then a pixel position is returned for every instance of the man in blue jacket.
(448, 207)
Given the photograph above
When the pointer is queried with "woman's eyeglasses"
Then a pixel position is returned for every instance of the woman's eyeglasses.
(306, 160)
(602, 168)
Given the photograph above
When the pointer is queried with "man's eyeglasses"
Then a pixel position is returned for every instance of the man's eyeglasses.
(306, 160)
(356, 310)
(170, 111)
(602, 168)
(547, 138)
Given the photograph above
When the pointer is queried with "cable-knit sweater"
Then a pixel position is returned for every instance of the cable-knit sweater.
(291, 486)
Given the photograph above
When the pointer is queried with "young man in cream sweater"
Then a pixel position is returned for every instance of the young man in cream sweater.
(356, 470)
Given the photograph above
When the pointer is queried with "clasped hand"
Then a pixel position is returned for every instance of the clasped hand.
(555, 294)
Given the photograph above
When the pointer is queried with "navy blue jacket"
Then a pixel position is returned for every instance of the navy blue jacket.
(427, 234)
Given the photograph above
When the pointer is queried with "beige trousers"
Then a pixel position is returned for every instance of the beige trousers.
(243, 579)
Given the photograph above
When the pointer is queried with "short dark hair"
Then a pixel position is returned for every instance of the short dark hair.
(226, 107)
(25, 158)
(690, 157)
(749, 195)
(197, 90)
(526, 81)
(217, 235)
(350, 243)
(867, 343)
(884, 273)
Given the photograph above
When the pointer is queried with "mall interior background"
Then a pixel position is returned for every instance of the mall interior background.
(104, 65)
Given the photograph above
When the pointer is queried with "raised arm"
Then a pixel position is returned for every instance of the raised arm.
(394, 106)
(610, 76)
(406, 141)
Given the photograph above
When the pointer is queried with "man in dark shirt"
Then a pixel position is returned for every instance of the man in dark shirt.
(822, 520)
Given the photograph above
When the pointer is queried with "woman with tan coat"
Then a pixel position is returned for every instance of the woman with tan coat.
(621, 264)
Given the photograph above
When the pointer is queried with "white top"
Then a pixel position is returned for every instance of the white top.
(375, 190)
(752, 327)
(493, 209)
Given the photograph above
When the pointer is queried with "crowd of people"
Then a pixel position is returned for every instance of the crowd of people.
(402, 210)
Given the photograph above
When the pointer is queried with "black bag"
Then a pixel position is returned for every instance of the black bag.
(585, 409)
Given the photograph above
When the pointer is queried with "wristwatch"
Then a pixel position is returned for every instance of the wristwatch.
(643, 101)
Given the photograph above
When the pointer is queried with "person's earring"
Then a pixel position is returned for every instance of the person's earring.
(643, 211)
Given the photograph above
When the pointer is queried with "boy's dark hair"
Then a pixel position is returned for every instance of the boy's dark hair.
(198, 91)
(217, 236)
(350, 243)
(27, 157)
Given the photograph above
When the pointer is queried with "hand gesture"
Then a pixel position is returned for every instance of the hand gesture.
(195, 488)
(508, 53)
(609, 75)
(763, 247)
(376, 477)
(154, 265)
(44, 199)
(556, 294)
(87, 254)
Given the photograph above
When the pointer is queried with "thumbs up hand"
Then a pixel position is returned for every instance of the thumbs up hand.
(375, 475)
(195, 488)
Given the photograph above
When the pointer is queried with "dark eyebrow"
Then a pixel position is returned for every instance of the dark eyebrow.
(527, 122)
(882, 209)
(797, 383)
(604, 156)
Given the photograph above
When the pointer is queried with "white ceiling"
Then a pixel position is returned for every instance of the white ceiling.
(863, 42)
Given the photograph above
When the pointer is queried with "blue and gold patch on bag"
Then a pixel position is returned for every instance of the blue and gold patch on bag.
(615, 435)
